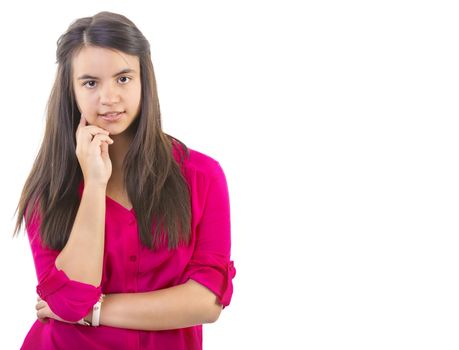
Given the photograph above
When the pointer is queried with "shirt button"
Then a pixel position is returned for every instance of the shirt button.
(133, 258)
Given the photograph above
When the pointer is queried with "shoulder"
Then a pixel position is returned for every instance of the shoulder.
(203, 163)
(207, 184)
(200, 163)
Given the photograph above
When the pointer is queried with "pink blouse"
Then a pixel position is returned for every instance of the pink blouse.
(131, 268)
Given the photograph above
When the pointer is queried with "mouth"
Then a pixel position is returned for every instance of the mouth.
(112, 116)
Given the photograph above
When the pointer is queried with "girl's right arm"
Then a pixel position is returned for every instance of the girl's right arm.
(69, 280)
(82, 257)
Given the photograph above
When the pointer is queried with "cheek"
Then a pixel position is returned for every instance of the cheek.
(131, 100)
(87, 104)
(136, 94)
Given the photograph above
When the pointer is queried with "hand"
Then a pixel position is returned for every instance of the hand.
(92, 152)
(44, 312)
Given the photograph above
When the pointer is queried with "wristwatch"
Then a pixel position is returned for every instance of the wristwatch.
(95, 314)
(96, 311)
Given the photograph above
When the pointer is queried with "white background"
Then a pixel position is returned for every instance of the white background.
(336, 123)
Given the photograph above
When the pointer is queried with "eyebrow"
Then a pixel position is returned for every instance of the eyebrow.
(126, 70)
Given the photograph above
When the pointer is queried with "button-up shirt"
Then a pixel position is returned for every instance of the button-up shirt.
(130, 267)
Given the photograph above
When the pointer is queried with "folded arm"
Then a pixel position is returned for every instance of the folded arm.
(180, 306)
(206, 285)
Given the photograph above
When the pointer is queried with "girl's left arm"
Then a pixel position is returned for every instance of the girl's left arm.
(180, 306)
(208, 275)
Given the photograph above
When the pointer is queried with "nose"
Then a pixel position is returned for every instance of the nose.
(109, 94)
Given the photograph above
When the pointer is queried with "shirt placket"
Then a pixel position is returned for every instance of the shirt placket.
(132, 269)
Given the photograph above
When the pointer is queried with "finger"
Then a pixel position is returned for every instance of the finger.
(104, 149)
(91, 129)
(82, 122)
(40, 305)
(41, 314)
(87, 133)
(94, 146)
(42, 318)
(94, 130)
(101, 138)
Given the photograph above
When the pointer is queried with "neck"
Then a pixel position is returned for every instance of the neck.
(117, 151)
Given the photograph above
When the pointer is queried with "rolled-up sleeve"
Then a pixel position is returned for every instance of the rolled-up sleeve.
(69, 299)
(210, 263)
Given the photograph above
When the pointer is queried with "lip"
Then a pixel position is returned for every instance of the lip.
(112, 118)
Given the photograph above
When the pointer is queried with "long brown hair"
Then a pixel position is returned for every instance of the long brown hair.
(153, 179)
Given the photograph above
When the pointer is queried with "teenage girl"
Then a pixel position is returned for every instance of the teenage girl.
(129, 228)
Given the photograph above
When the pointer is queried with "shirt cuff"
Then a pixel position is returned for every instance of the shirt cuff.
(217, 278)
(70, 300)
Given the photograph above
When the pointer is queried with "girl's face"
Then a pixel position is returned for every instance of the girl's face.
(107, 80)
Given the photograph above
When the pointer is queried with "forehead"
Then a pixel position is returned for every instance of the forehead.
(102, 62)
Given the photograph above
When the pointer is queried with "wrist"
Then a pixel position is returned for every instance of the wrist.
(95, 185)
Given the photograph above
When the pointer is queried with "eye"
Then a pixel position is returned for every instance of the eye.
(125, 78)
(87, 83)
